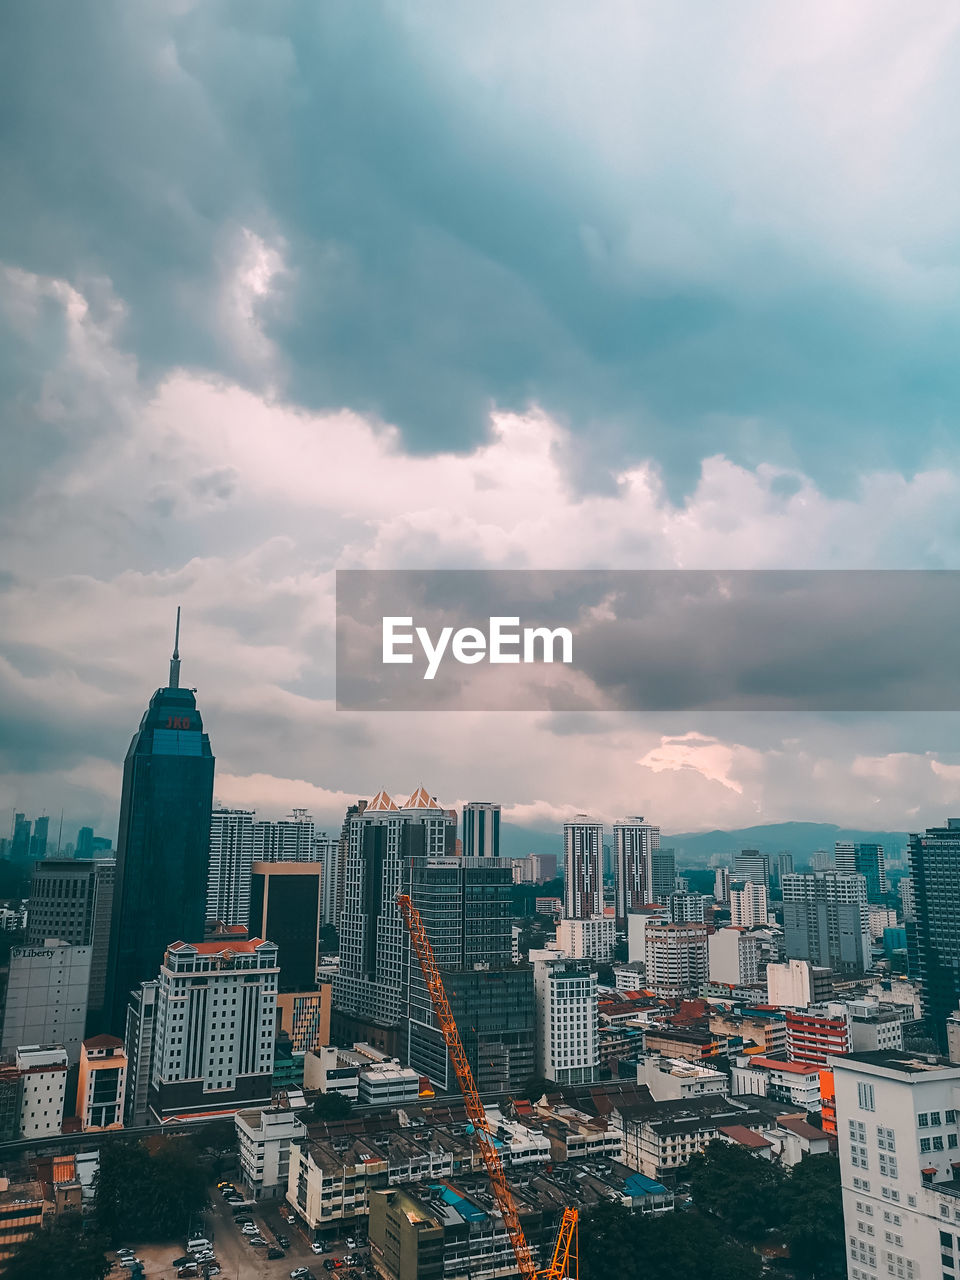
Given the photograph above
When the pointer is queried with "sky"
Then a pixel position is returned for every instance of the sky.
(289, 287)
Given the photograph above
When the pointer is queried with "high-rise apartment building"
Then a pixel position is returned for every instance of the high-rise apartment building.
(818, 1033)
(685, 907)
(784, 866)
(290, 840)
(582, 870)
(215, 1028)
(231, 863)
(634, 844)
(163, 846)
(908, 903)
(748, 904)
(285, 903)
(481, 830)
(46, 999)
(663, 875)
(73, 901)
(826, 920)
(326, 851)
(567, 1020)
(933, 938)
(821, 861)
(677, 959)
(865, 860)
(721, 884)
(734, 956)
(751, 864)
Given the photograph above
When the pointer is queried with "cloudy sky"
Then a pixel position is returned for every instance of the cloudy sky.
(292, 286)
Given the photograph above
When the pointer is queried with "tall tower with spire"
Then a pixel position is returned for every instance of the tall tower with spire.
(163, 844)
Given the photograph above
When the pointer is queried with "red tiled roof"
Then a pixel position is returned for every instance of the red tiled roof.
(103, 1042)
(746, 1137)
(796, 1068)
(800, 1128)
(245, 947)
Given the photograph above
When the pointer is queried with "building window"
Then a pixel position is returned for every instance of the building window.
(865, 1096)
(923, 1120)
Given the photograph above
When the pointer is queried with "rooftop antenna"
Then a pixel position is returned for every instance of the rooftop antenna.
(175, 660)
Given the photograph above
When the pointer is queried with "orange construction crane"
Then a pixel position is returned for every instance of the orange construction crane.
(565, 1253)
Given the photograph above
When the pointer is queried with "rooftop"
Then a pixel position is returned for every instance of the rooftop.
(896, 1060)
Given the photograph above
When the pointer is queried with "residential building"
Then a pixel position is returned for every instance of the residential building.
(73, 901)
(290, 840)
(748, 904)
(231, 865)
(669, 1079)
(102, 1085)
(285, 903)
(865, 860)
(663, 874)
(684, 907)
(22, 1208)
(721, 884)
(933, 938)
(874, 1026)
(821, 860)
(138, 1043)
(481, 829)
(795, 1083)
(326, 852)
(734, 956)
(660, 1138)
(46, 998)
(582, 871)
(797, 983)
(826, 921)
(752, 865)
(592, 939)
(163, 846)
(676, 958)
(908, 904)
(881, 918)
(43, 1089)
(898, 1145)
(818, 1033)
(784, 866)
(264, 1136)
(215, 1028)
(637, 922)
(634, 844)
(567, 1019)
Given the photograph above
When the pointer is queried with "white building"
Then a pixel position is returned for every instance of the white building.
(46, 1000)
(637, 922)
(387, 1084)
(907, 899)
(326, 851)
(568, 1049)
(264, 1136)
(795, 1083)
(796, 984)
(634, 844)
(290, 840)
(671, 1078)
(874, 1026)
(582, 868)
(215, 1027)
(684, 907)
(734, 956)
(43, 1088)
(721, 884)
(881, 918)
(676, 959)
(748, 904)
(231, 863)
(326, 1069)
(592, 939)
(898, 1145)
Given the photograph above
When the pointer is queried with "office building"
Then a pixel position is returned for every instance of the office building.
(734, 957)
(677, 959)
(215, 1028)
(582, 872)
(285, 903)
(43, 1089)
(634, 844)
(818, 1033)
(933, 938)
(907, 901)
(326, 852)
(73, 901)
(663, 875)
(290, 840)
(102, 1084)
(784, 866)
(138, 1045)
(46, 999)
(898, 1145)
(20, 845)
(865, 860)
(481, 830)
(748, 904)
(587, 939)
(163, 846)
(304, 1016)
(826, 920)
(796, 984)
(751, 864)
(568, 1049)
(231, 866)
(721, 884)
(84, 846)
(38, 841)
(494, 1009)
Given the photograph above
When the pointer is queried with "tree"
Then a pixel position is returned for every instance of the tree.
(738, 1187)
(616, 1241)
(812, 1213)
(535, 1087)
(60, 1250)
(148, 1197)
(332, 1106)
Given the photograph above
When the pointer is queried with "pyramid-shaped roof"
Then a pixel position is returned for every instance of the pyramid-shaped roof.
(381, 801)
(421, 799)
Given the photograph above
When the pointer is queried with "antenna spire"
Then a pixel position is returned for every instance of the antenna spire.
(175, 660)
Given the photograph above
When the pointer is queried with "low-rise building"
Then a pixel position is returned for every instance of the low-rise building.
(43, 1088)
(798, 983)
(796, 1083)
(591, 939)
(21, 1214)
(574, 1135)
(692, 1043)
(264, 1136)
(661, 1138)
(818, 1033)
(102, 1084)
(329, 1071)
(874, 1026)
(673, 1078)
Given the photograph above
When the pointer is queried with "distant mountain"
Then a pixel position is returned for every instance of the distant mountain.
(698, 847)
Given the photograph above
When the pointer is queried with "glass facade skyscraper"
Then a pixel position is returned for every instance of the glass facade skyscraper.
(163, 845)
(933, 938)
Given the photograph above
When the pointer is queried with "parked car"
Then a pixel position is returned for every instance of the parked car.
(184, 1261)
(275, 1253)
(185, 1273)
(328, 1264)
(301, 1273)
(283, 1242)
(317, 1247)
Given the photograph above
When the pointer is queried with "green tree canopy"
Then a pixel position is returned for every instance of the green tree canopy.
(140, 1196)
(60, 1250)
(616, 1241)
(332, 1106)
(739, 1188)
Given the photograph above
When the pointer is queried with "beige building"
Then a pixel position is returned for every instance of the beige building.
(102, 1085)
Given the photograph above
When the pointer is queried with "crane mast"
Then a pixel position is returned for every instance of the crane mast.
(565, 1251)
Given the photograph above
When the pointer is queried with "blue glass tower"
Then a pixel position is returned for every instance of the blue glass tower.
(163, 845)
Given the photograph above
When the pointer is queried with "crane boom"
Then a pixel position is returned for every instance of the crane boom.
(565, 1250)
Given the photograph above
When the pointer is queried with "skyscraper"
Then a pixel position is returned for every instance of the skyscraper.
(163, 845)
(748, 904)
(753, 865)
(38, 841)
(933, 939)
(865, 860)
(634, 843)
(285, 904)
(290, 840)
(481, 829)
(663, 874)
(826, 921)
(231, 860)
(582, 875)
(20, 849)
(84, 843)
